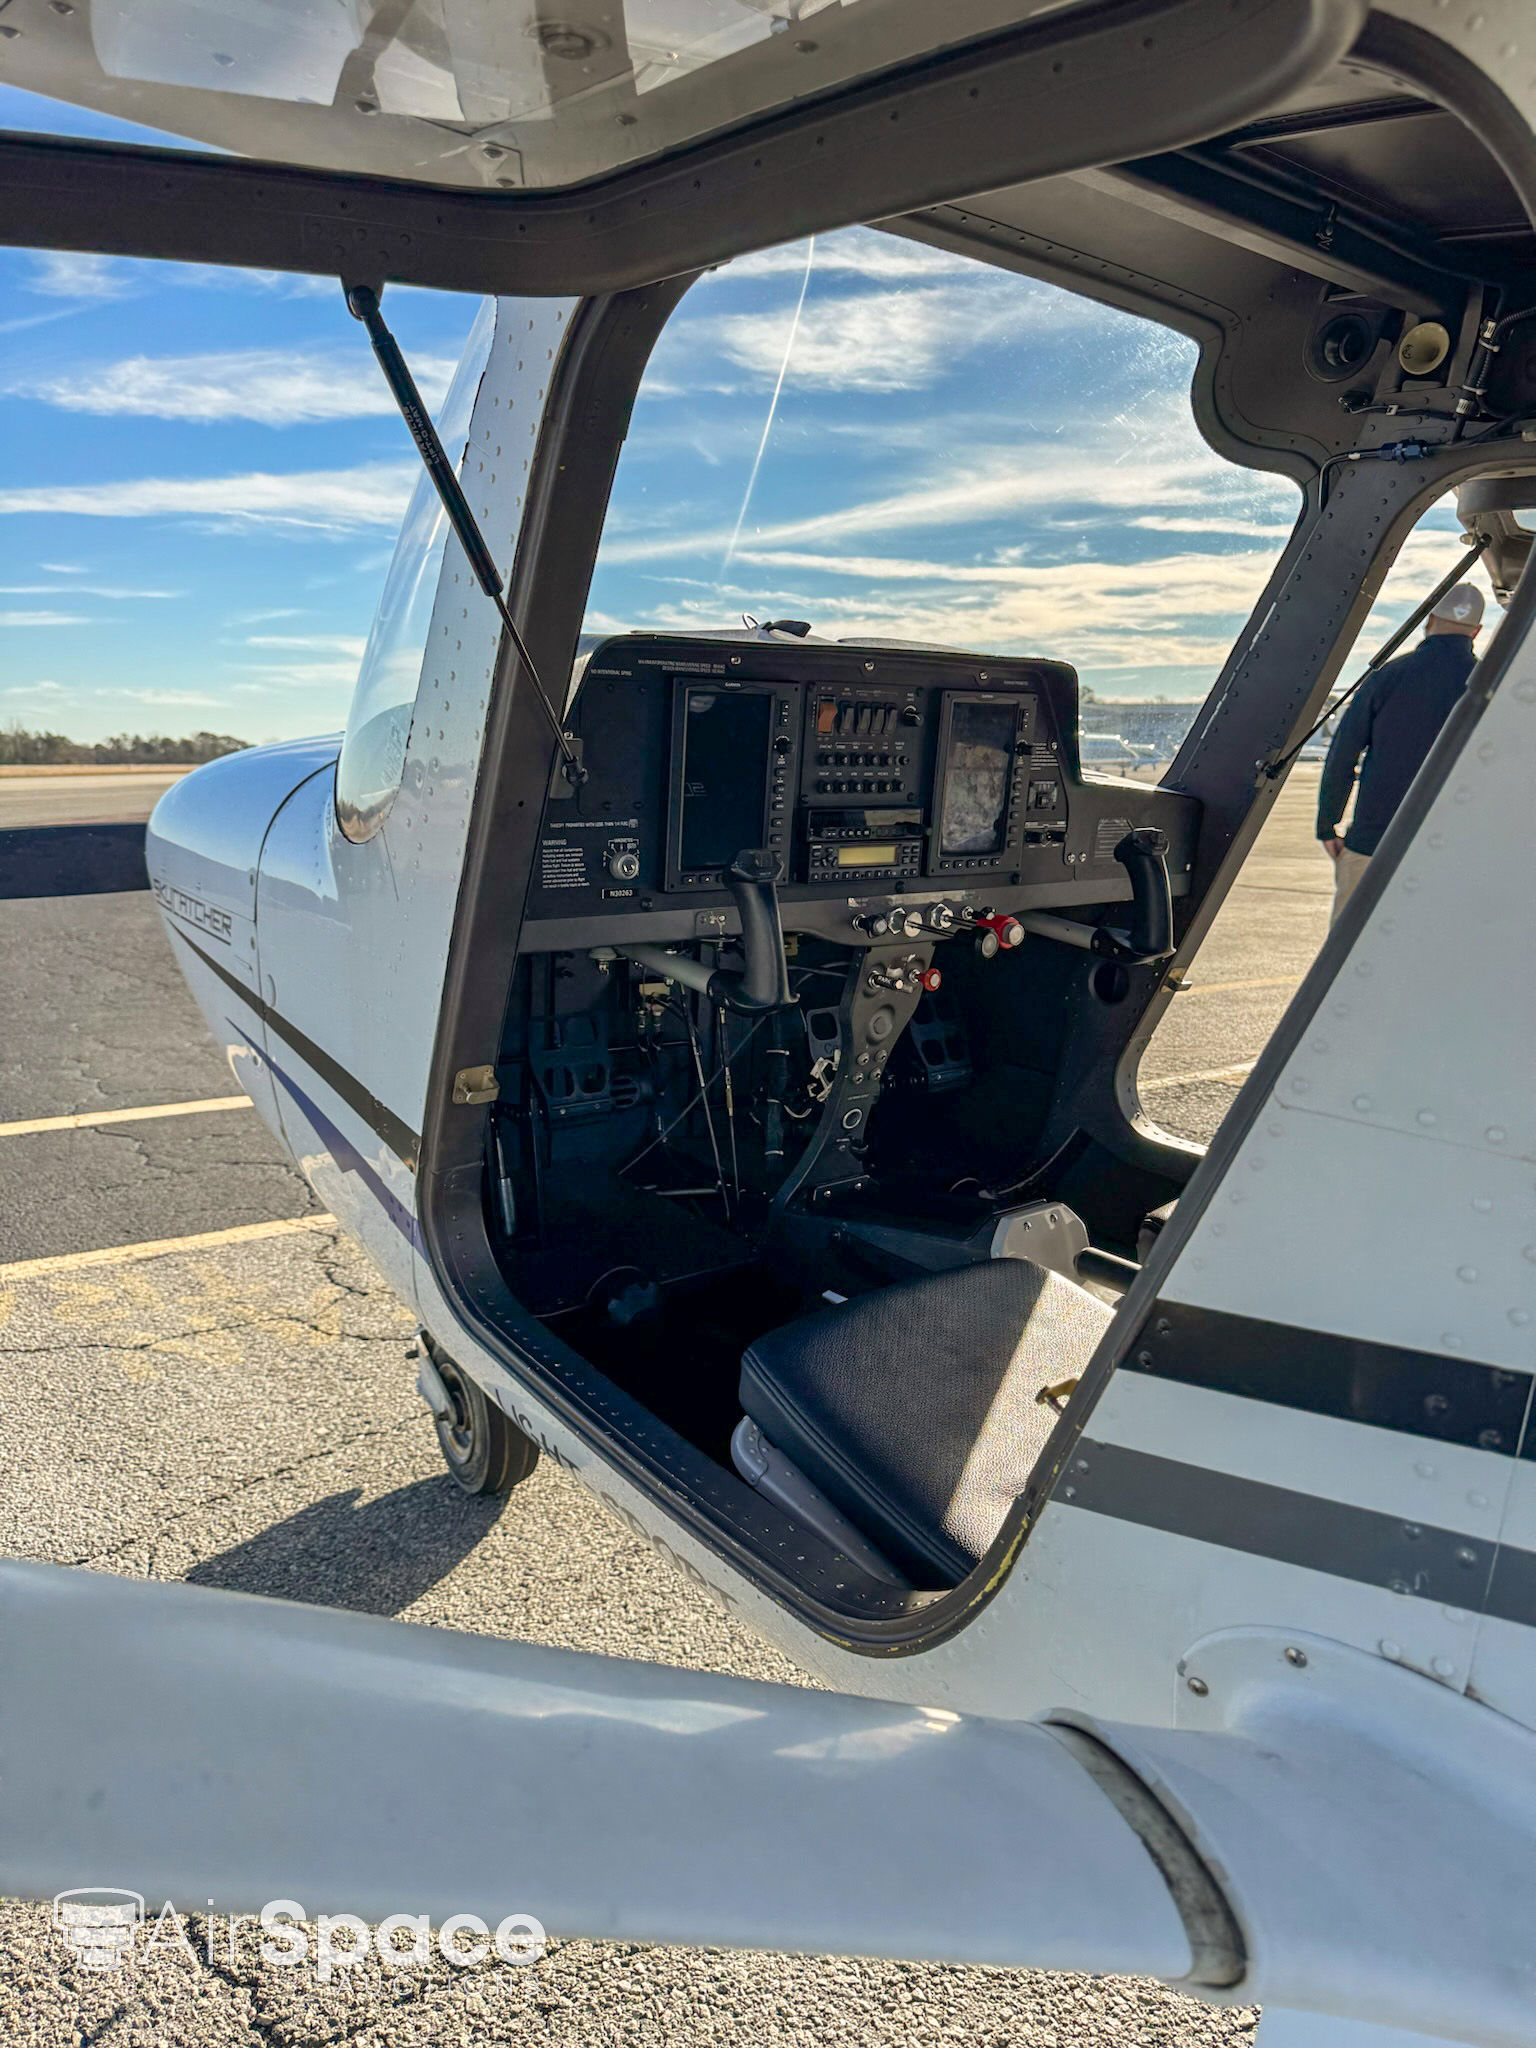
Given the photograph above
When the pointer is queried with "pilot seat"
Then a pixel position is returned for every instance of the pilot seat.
(912, 1416)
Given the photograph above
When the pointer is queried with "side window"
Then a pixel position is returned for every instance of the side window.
(893, 442)
(384, 701)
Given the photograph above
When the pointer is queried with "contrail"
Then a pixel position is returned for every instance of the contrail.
(773, 404)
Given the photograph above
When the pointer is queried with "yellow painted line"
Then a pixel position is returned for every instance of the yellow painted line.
(28, 1126)
(1216, 988)
(157, 1248)
(1237, 1073)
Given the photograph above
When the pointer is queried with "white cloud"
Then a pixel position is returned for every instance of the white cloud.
(1174, 616)
(45, 619)
(1150, 614)
(874, 341)
(1239, 528)
(859, 252)
(23, 321)
(275, 387)
(328, 500)
(47, 688)
(181, 698)
(70, 274)
(340, 643)
(220, 277)
(63, 568)
(81, 590)
(1048, 477)
(340, 673)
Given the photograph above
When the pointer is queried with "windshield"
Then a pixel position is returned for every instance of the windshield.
(892, 442)
(379, 723)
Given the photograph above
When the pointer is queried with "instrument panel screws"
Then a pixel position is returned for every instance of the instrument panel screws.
(1197, 1686)
(1296, 1657)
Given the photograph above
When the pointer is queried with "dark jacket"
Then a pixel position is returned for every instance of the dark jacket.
(1393, 720)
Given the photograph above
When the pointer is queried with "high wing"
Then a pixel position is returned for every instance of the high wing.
(1321, 1831)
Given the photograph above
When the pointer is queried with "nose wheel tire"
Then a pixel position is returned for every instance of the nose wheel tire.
(483, 1450)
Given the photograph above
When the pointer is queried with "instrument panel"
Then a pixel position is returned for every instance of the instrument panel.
(871, 773)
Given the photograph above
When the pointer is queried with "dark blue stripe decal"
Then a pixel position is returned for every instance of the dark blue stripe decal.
(1420, 1393)
(1419, 1559)
(343, 1151)
(378, 1116)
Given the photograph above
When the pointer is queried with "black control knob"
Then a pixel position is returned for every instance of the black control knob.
(624, 864)
(874, 924)
(903, 977)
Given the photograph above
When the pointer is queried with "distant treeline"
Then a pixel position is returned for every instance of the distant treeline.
(21, 748)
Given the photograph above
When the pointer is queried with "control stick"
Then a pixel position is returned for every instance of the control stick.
(1144, 856)
(763, 983)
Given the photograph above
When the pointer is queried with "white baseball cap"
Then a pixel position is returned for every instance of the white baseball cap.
(1462, 604)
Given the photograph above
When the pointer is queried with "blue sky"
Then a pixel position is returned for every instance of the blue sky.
(201, 476)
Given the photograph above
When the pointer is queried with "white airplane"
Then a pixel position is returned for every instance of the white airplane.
(1163, 1526)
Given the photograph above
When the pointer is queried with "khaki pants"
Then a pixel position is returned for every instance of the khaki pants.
(1347, 870)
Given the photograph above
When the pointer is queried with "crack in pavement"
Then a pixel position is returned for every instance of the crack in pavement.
(261, 1324)
(164, 1523)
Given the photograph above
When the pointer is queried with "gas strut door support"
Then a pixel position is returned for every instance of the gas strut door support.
(763, 984)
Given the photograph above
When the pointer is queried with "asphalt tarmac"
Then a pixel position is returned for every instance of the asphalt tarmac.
(122, 797)
(241, 1414)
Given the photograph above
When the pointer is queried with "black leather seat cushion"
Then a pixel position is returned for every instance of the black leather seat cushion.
(915, 1409)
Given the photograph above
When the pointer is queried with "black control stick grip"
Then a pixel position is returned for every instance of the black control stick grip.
(1144, 856)
(764, 983)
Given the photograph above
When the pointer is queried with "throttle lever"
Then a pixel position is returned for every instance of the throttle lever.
(763, 984)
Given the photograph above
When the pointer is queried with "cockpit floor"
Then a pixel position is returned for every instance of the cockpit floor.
(679, 1355)
(597, 1231)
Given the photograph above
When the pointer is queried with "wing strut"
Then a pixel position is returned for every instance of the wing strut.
(363, 304)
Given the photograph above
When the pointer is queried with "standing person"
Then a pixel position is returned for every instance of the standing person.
(1393, 722)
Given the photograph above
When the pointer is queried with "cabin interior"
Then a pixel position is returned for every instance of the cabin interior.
(815, 1173)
